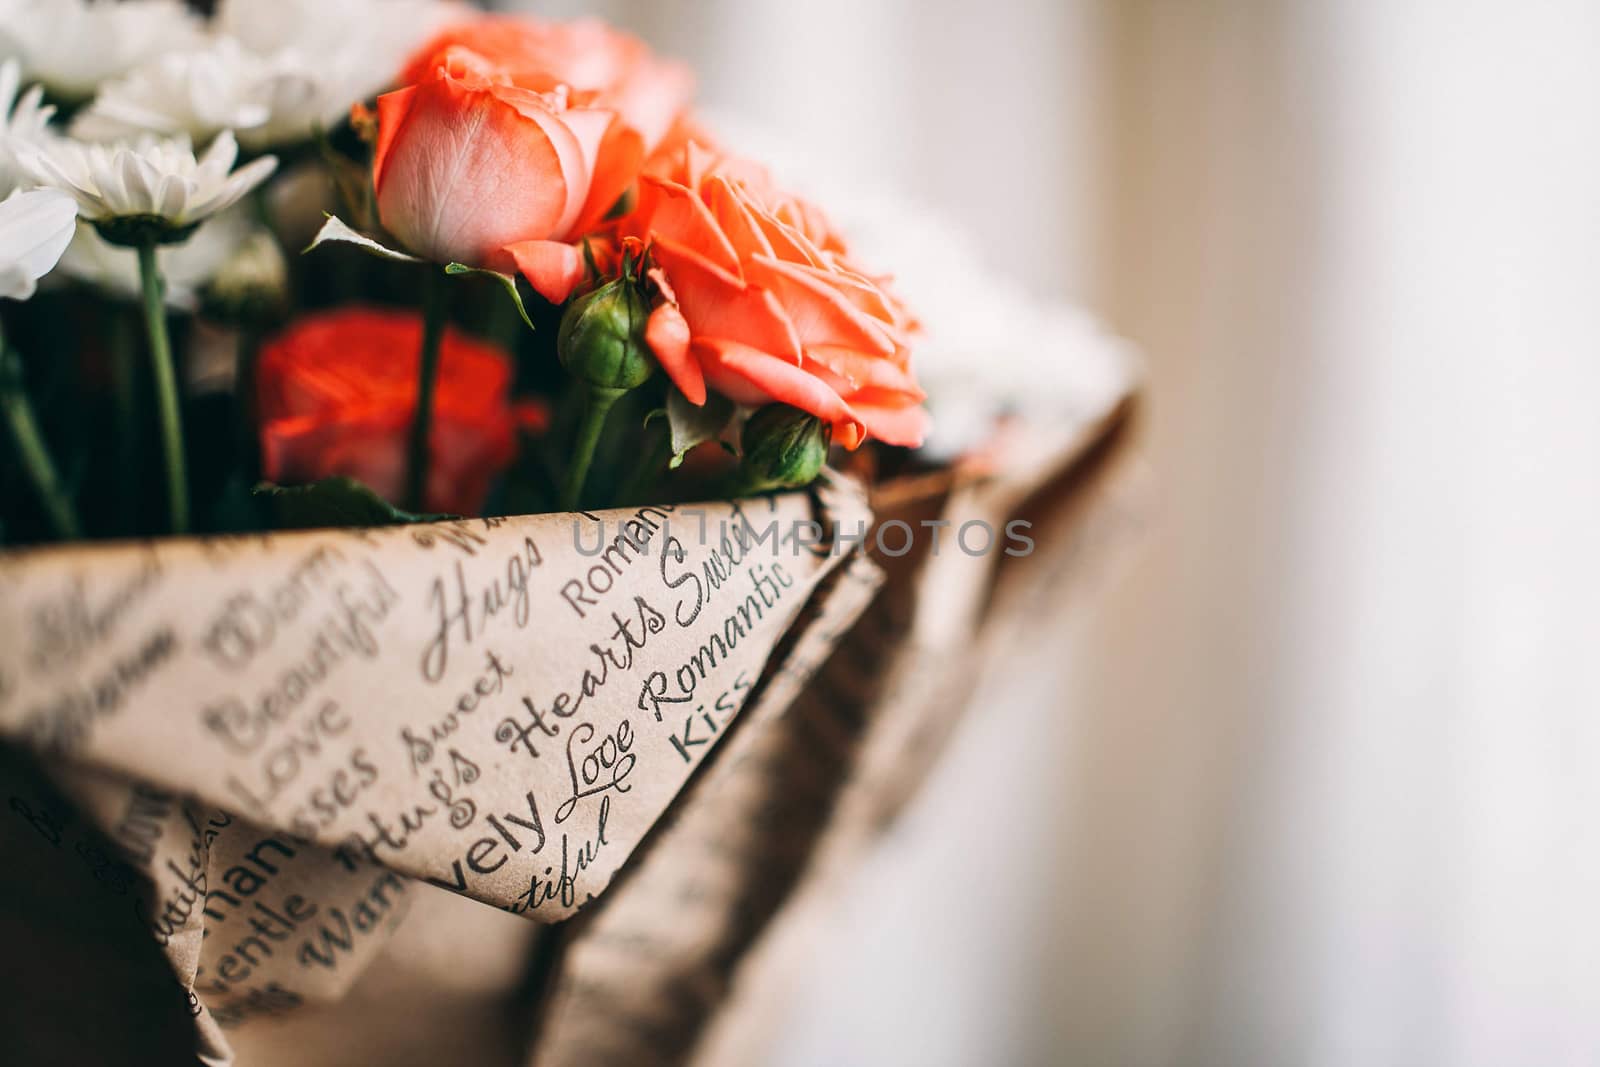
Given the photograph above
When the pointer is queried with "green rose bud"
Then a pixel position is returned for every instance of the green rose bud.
(602, 337)
(784, 448)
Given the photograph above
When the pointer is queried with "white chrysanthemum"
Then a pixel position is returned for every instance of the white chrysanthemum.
(24, 121)
(322, 57)
(186, 268)
(71, 46)
(382, 32)
(35, 227)
(274, 73)
(198, 93)
(149, 179)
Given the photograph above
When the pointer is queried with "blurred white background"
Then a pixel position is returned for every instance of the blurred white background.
(1318, 782)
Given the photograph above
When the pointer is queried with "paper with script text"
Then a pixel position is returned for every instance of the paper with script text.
(277, 732)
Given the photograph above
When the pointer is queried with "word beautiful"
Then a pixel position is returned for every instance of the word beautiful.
(894, 538)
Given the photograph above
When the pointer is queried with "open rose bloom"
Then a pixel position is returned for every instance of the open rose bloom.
(514, 139)
(473, 169)
(764, 304)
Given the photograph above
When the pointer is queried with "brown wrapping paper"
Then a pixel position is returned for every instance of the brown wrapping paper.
(1086, 523)
(268, 738)
(647, 976)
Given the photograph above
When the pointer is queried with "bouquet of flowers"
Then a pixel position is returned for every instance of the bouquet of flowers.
(663, 292)
(490, 292)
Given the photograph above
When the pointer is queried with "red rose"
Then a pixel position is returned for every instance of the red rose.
(337, 392)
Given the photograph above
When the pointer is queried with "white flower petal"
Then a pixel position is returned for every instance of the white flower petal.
(222, 154)
(172, 198)
(139, 182)
(16, 283)
(35, 228)
(243, 180)
(73, 46)
(10, 82)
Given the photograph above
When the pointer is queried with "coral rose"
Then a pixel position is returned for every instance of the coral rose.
(472, 169)
(598, 66)
(765, 306)
(337, 392)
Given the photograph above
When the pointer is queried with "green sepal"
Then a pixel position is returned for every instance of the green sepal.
(507, 280)
(693, 424)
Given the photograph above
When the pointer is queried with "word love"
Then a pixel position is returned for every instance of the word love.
(600, 767)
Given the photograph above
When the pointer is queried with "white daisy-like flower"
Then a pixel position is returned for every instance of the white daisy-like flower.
(157, 187)
(303, 94)
(186, 268)
(71, 46)
(274, 73)
(321, 58)
(197, 93)
(382, 33)
(24, 120)
(35, 228)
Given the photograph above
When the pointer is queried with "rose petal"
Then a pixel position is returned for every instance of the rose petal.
(675, 213)
(619, 159)
(750, 376)
(553, 269)
(392, 110)
(721, 306)
(667, 334)
(819, 313)
(906, 426)
(467, 173)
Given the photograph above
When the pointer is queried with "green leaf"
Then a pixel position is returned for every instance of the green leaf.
(336, 230)
(694, 425)
(333, 502)
(507, 280)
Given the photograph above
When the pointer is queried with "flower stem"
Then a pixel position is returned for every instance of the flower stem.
(435, 310)
(597, 404)
(651, 463)
(246, 356)
(124, 382)
(167, 408)
(32, 451)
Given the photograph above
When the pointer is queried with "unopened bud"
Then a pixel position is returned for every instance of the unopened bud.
(784, 448)
(602, 337)
(252, 288)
